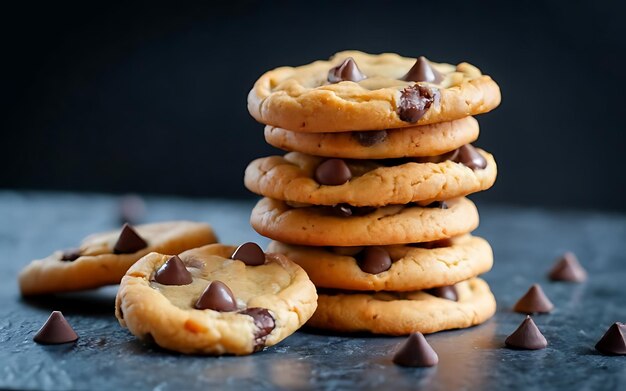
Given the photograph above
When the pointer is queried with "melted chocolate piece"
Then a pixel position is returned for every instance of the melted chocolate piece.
(346, 71)
(374, 260)
(333, 172)
(129, 241)
(250, 254)
(613, 342)
(445, 292)
(527, 336)
(416, 352)
(469, 156)
(415, 102)
(369, 138)
(265, 323)
(534, 301)
(438, 205)
(423, 71)
(56, 330)
(568, 269)
(173, 272)
(71, 254)
(217, 297)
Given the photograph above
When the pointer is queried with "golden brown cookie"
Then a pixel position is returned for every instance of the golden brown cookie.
(295, 178)
(205, 302)
(392, 268)
(394, 224)
(360, 91)
(426, 140)
(103, 258)
(399, 313)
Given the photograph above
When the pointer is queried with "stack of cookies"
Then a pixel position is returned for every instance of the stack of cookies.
(370, 199)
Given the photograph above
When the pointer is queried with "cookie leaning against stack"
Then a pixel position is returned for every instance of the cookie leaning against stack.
(369, 199)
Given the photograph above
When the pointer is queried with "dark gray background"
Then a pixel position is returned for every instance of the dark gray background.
(152, 98)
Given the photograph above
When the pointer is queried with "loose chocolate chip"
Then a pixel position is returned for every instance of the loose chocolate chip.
(346, 71)
(333, 172)
(250, 254)
(173, 272)
(469, 156)
(527, 336)
(416, 352)
(217, 297)
(374, 260)
(367, 139)
(534, 301)
(445, 292)
(613, 342)
(423, 71)
(56, 330)
(129, 241)
(438, 205)
(415, 102)
(264, 321)
(70, 254)
(567, 268)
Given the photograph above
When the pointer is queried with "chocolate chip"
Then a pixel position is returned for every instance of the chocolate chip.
(129, 241)
(438, 205)
(56, 330)
(373, 137)
(423, 71)
(469, 156)
(416, 352)
(445, 292)
(250, 254)
(374, 260)
(534, 301)
(217, 297)
(173, 272)
(527, 336)
(415, 102)
(567, 268)
(333, 172)
(70, 254)
(264, 321)
(613, 342)
(346, 71)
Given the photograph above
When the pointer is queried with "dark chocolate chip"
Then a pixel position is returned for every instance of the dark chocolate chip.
(416, 352)
(346, 71)
(129, 241)
(527, 336)
(132, 209)
(70, 254)
(374, 260)
(445, 292)
(250, 254)
(534, 301)
(264, 321)
(613, 342)
(56, 330)
(173, 272)
(369, 138)
(333, 172)
(217, 297)
(469, 156)
(567, 268)
(415, 102)
(423, 71)
(438, 205)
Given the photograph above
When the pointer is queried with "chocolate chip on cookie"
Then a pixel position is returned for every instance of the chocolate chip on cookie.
(70, 254)
(416, 352)
(415, 102)
(423, 71)
(264, 321)
(567, 268)
(534, 301)
(445, 292)
(173, 272)
(250, 254)
(333, 172)
(217, 297)
(346, 71)
(56, 330)
(527, 336)
(613, 342)
(469, 156)
(374, 260)
(129, 241)
(370, 138)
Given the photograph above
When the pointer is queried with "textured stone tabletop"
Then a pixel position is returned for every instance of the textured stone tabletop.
(525, 242)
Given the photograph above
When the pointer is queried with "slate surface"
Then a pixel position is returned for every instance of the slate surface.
(525, 242)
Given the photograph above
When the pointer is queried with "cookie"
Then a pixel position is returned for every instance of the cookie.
(346, 226)
(400, 313)
(297, 177)
(359, 91)
(426, 140)
(103, 258)
(395, 267)
(205, 302)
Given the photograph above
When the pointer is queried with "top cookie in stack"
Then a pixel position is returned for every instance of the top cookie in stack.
(370, 196)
